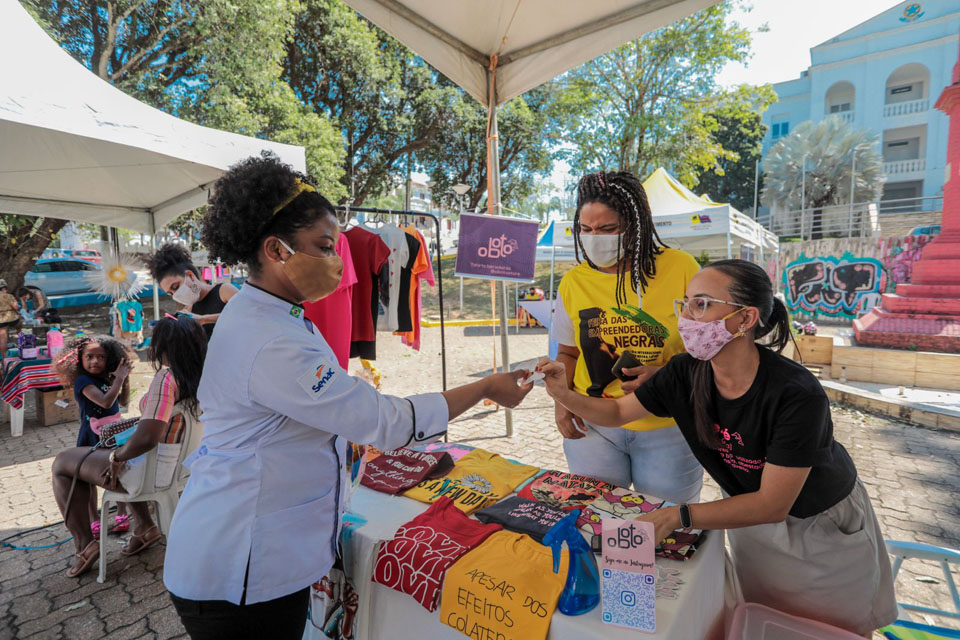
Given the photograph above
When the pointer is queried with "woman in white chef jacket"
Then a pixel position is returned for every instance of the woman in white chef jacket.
(259, 519)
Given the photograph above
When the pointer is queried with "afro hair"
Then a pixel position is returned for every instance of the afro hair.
(170, 259)
(241, 212)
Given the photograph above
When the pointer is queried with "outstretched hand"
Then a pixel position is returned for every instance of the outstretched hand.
(505, 388)
(555, 376)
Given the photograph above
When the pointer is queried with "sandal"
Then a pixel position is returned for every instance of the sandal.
(95, 529)
(85, 559)
(121, 524)
(140, 541)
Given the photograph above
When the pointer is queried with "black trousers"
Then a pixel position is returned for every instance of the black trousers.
(282, 619)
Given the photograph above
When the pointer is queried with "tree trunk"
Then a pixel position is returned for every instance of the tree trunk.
(25, 249)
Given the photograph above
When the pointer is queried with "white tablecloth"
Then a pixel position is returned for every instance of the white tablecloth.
(384, 613)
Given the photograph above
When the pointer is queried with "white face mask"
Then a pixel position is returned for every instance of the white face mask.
(188, 292)
(601, 249)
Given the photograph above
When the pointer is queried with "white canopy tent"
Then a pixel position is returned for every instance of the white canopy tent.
(498, 49)
(74, 147)
(698, 225)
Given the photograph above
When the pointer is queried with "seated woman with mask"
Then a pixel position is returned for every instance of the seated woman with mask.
(172, 268)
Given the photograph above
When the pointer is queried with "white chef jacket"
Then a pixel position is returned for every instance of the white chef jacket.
(267, 482)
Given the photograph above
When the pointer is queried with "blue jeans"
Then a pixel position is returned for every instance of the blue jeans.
(657, 463)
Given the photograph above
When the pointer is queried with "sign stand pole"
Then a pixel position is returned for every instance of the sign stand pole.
(493, 208)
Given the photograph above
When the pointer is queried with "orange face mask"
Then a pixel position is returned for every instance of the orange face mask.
(314, 277)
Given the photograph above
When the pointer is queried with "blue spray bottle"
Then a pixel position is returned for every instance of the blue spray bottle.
(581, 593)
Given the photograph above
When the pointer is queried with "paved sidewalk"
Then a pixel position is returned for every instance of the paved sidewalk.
(912, 473)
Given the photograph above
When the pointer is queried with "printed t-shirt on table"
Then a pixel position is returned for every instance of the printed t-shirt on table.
(478, 479)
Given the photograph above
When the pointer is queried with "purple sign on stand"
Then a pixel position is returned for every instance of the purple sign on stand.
(497, 248)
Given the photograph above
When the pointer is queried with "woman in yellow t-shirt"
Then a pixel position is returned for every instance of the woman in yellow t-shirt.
(620, 299)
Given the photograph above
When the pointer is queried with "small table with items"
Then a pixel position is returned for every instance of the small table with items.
(20, 376)
(689, 589)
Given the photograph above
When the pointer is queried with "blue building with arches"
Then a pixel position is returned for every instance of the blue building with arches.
(883, 75)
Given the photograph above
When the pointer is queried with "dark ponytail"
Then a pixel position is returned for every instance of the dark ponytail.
(750, 286)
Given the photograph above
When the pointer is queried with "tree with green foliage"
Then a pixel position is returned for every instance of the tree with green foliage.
(736, 125)
(384, 98)
(643, 104)
(829, 148)
(459, 151)
(185, 59)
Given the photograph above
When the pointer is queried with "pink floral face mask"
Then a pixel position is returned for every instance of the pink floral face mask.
(704, 340)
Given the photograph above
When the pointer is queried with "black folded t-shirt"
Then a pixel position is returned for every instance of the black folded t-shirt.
(522, 516)
(784, 418)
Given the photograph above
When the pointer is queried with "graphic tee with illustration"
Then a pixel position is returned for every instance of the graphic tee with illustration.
(564, 490)
(478, 479)
(616, 503)
(645, 326)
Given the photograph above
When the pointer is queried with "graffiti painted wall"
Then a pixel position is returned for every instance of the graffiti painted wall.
(845, 278)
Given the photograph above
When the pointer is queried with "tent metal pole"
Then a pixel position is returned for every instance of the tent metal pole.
(156, 285)
(493, 208)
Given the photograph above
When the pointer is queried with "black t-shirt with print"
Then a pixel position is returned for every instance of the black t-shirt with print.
(522, 516)
(784, 418)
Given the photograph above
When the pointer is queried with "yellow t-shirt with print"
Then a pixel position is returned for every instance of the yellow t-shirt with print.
(646, 325)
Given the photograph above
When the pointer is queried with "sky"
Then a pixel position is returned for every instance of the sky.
(795, 26)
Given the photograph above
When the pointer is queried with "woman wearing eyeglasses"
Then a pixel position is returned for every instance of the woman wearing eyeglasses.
(616, 306)
(802, 532)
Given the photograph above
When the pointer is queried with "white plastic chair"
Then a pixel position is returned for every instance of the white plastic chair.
(165, 497)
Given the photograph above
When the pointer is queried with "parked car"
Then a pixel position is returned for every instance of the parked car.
(90, 255)
(55, 276)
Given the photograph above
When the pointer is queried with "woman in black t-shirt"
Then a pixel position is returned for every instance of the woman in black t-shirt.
(804, 536)
(172, 269)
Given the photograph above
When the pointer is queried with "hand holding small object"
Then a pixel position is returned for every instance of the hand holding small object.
(533, 377)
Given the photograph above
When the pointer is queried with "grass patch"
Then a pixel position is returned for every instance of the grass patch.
(476, 293)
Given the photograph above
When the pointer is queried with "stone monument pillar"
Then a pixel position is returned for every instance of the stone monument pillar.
(925, 314)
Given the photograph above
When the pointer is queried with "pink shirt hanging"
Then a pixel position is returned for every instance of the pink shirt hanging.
(333, 315)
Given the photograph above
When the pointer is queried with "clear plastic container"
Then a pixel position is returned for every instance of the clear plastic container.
(756, 622)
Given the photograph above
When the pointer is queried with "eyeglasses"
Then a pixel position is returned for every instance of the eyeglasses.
(698, 306)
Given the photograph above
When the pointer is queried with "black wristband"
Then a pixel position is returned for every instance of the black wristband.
(685, 521)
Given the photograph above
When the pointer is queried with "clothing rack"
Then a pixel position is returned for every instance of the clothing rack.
(439, 271)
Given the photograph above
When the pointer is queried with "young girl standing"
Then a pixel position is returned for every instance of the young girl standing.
(98, 369)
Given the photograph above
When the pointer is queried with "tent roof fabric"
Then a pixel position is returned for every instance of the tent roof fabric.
(77, 148)
(535, 40)
(668, 196)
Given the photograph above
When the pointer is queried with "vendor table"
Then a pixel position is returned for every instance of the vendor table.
(19, 376)
(692, 600)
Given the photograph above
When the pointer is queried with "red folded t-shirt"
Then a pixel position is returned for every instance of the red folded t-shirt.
(417, 558)
(401, 469)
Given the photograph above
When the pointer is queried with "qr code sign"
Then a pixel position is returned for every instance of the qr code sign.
(628, 599)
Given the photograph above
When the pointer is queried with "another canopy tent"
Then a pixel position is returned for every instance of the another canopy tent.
(77, 148)
(699, 225)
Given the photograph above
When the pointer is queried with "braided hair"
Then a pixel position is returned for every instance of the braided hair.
(623, 192)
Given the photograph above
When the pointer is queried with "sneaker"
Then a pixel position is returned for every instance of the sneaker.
(95, 529)
(121, 524)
